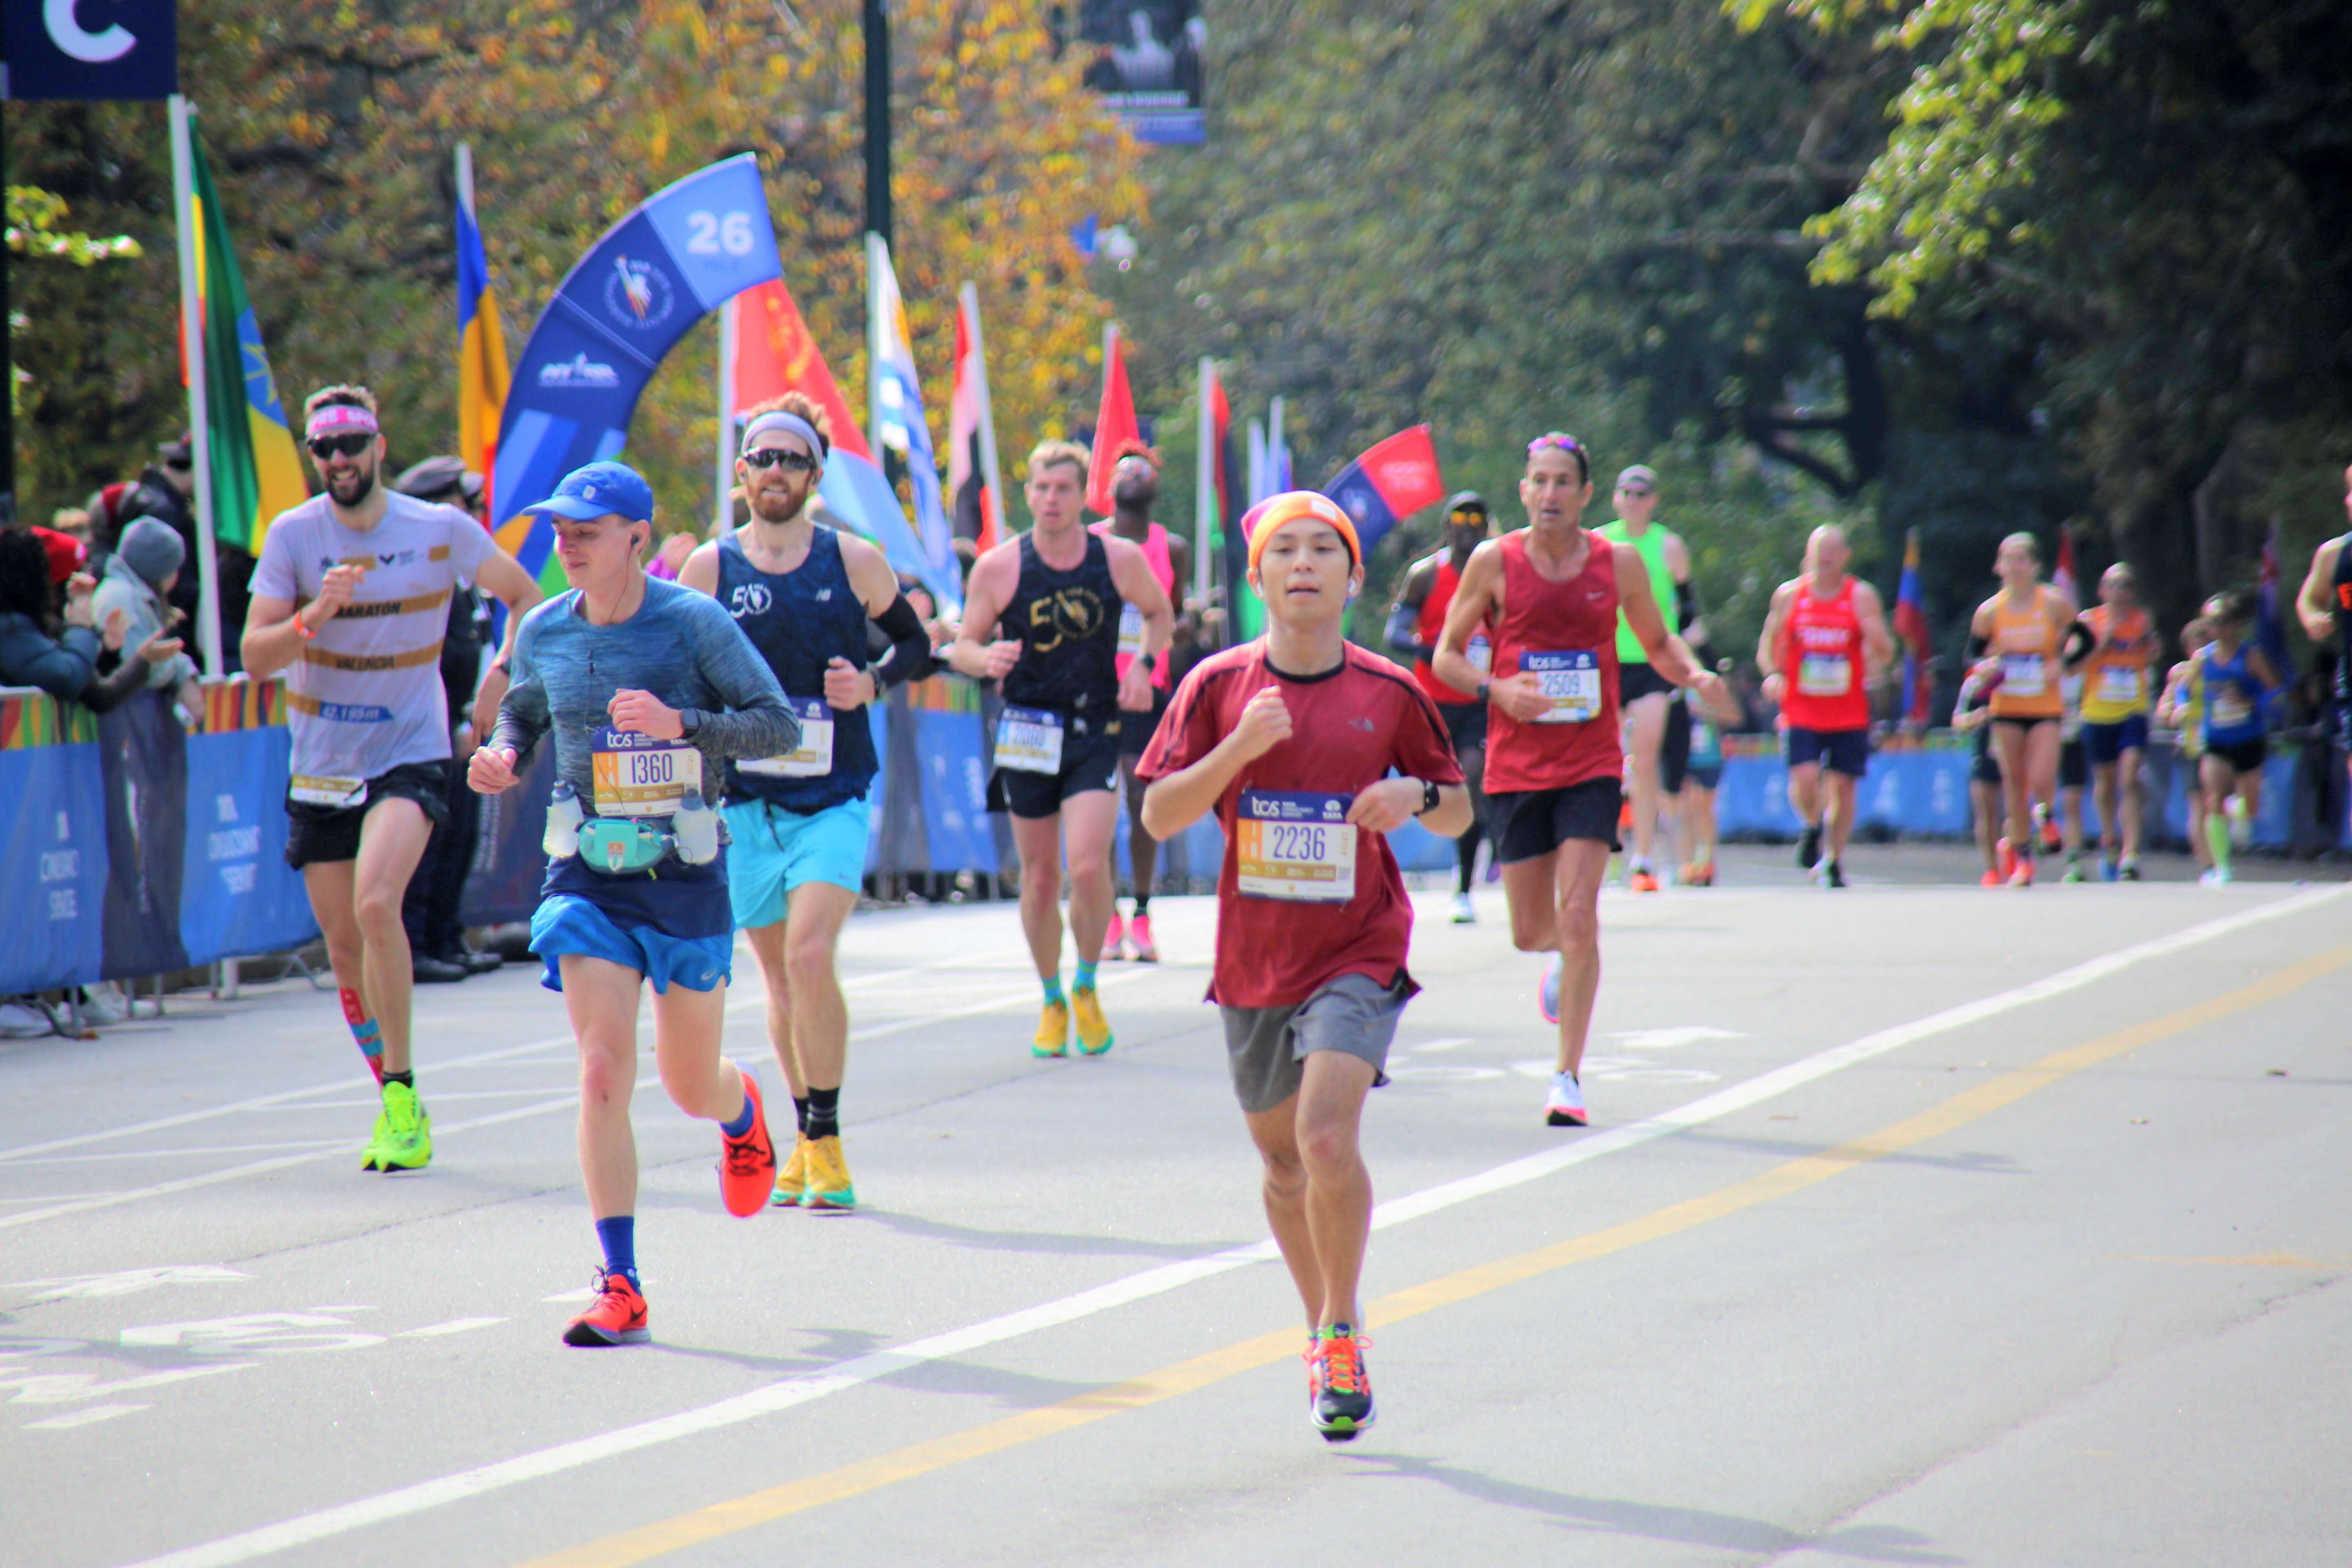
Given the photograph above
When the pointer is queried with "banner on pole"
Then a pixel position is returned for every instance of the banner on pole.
(483, 374)
(53, 53)
(1395, 479)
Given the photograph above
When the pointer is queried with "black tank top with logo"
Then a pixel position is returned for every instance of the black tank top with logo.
(1067, 624)
(2342, 605)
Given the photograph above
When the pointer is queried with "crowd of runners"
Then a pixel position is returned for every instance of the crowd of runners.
(714, 761)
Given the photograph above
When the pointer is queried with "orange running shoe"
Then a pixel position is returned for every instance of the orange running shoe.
(1339, 1396)
(747, 1166)
(2004, 859)
(1991, 878)
(618, 1317)
(1643, 880)
(2023, 877)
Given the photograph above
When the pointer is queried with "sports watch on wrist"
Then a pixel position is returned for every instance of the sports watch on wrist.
(690, 722)
(1429, 795)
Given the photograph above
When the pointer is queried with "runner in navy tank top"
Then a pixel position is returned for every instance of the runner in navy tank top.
(2324, 606)
(806, 596)
(1553, 593)
(1050, 600)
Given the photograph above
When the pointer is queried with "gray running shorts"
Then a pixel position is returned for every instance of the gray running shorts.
(1268, 1046)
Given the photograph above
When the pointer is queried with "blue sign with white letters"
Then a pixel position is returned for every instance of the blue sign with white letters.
(91, 50)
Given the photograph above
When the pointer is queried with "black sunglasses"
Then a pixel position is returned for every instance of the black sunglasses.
(350, 444)
(784, 457)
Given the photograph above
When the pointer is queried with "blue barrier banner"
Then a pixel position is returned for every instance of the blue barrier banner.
(509, 864)
(53, 848)
(239, 895)
(143, 754)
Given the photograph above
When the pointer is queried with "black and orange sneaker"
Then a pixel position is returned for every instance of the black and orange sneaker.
(1340, 1395)
(747, 1166)
(617, 1317)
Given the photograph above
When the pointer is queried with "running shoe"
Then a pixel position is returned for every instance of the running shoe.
(2128, 870)
(1547, 993)
(1114, 939)
(2106, 869)
(2215, 876)
(1340, 1395)
(1140, 947)
(1991, 878)
(829, 1186)
(792, 1177)
(1643, 880)
(1832, 874)
(2021, 874)
(1564, 1105)
(406, 1141)
(1808, 846)
(617, 1317)
(2241, 826)
(2005, 859)
(1464, 912)
(2046, 826)
(747, 1166)
(1093, 1029)
(1052, 1037)
(2073, 872)
(373, 1158)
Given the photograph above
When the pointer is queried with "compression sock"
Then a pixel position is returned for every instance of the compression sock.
(1053, 984)
(824, 1113)
(2217, 839)
(742, 1121)
(619, 1235)
(406, 1080)
(801, 1111)
(1466, 852)
(364, 1031)
(1084, 980)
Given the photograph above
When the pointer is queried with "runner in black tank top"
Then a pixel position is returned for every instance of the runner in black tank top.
(2324, 605)
(1040, 616)
(806, 596)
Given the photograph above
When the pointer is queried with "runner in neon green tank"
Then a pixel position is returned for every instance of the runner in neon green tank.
(1641, 693)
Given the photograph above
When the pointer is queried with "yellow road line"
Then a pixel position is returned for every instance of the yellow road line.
(763, 1507)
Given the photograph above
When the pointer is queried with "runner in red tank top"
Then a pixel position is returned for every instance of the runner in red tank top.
(1414, 621)
(1134, 490)
(1825, 641)
(1291, 740)
(1554, 767)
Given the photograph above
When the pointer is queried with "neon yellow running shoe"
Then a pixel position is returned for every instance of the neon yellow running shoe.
(373, 1158)
(791, 1179)
(408, 1135)
(1093, 1029)
(829, 1186)
(1053, 1038)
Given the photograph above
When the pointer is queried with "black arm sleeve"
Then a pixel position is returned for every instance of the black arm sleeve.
(909, 658)
(1685, 604)
(2079, 644)
(1404, 621)
(1977, 647)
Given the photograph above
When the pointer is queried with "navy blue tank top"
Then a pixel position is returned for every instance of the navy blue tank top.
(799, 621)
(1067, 624)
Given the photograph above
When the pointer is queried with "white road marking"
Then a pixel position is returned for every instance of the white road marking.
(250, 1331)
(453, 1326)
(405, 1501)
(84, 1417)
(1666, 1039)
(1618, 1069)
(71, 1387)
(175, 1152)
(125, 1282)
(1427, 1046)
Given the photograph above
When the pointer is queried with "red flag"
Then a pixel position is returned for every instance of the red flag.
(775, 354)
(1113, 425)
(2062, 579)
(973, 503)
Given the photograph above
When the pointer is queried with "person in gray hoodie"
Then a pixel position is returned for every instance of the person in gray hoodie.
(140, 576)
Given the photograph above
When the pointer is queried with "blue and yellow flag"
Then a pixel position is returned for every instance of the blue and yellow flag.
(482, 371)
(256, 470)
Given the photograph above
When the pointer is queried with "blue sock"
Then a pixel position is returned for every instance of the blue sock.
(619, 1235)
(742, 1122)
(1053, 988)
(1084, 980)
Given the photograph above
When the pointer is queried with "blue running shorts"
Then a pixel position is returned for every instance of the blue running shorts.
(772, 851)
(566, 922)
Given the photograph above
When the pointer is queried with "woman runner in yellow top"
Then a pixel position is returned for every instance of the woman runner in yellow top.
(2025, 625)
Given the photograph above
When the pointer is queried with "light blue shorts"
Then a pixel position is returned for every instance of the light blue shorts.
(772, 851)
(566, 922)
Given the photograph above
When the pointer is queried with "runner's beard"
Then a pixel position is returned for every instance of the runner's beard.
(353, 489)
(772, 504)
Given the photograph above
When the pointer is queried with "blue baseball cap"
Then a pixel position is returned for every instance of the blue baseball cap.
(601, 490)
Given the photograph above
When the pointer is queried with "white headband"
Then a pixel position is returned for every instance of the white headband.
(778, 419)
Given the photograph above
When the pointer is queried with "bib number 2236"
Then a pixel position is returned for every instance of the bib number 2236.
(1294, 845)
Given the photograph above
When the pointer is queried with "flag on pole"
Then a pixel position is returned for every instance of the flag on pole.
(256, 472)
(1911, 625)
(897, 401)
(482, 371)
(776, 353)
(2062, 578)
(973, 484)
(2270, 629)
(1114, 425)
(1393, 479)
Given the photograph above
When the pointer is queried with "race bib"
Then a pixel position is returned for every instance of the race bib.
(814, 758)
(1480, 653)
(637, 775)
(1296, 846)
(1130, 632)
(1825, 675)
(2227, 709)
(1706, 745)
(312, 791)
(2119, 684)
(1570, 682)
(2021, 674)
(1029, 741)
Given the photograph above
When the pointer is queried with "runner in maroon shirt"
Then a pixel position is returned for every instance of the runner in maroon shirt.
(1291, 740)
(1552, 591)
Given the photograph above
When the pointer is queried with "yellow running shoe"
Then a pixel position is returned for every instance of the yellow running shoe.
(1053, 1031)
(829, 1186)
(792, 1181)
(1093, 1029)
(407, 1142)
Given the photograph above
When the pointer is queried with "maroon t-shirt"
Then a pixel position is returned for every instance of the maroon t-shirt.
(1347, 729)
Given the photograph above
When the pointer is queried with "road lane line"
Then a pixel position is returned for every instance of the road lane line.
(665, 1536)
(789, 1392)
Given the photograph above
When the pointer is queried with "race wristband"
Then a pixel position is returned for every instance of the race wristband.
(1429, 794)
(302, 627)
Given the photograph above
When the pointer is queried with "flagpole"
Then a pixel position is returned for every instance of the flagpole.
(1204, 482)
(989, 474)
(1277, 482)
(1256, 463)
(722, 511)
(191, 349)
(877, 335)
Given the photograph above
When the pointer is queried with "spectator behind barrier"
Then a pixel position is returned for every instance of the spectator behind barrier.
(137, 581)
(62, 655)
(165, 493)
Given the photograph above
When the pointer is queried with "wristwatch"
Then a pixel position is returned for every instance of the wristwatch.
(1428, 798)
(690, 722)
(1151, 662)
(1482, 690)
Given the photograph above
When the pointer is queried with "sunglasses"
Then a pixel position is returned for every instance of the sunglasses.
(1565, 442)
(351, 444)
(1636, 491)
(1467, 516)
(782, 458)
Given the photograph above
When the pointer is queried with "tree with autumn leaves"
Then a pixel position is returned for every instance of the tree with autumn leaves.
(331, 124)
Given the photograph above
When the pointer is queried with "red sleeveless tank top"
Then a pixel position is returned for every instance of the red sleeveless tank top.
(1566, 632)
(1822, 663)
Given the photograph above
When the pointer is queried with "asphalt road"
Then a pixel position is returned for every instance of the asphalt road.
(1916, 1226)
